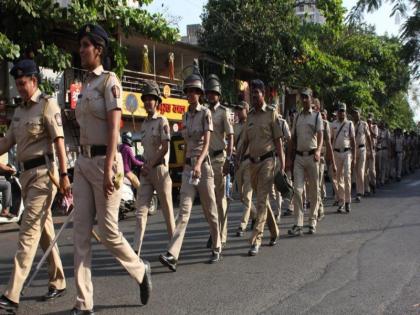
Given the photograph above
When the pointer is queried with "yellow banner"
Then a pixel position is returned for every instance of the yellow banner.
(171, 108)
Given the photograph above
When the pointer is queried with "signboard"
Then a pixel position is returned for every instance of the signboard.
(171, 108)
(75, 89)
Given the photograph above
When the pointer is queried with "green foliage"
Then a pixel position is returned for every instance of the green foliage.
(27, 27)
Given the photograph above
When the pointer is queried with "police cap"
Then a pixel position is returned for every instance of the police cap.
(306, 91)
(258, 84)
(151, 88)
(24, 67)
(95, 33)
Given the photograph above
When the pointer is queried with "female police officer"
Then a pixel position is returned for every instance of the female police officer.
(98, 171)
(197, 175)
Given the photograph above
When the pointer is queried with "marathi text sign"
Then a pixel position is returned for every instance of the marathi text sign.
(171, 108)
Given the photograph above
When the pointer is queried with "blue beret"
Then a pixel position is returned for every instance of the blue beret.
(24, 67)
(95, 32)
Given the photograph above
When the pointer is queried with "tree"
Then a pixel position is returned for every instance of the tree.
(27, 28)
(410, 32)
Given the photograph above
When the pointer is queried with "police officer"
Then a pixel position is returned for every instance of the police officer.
(99, 171)
(382, 146)
(398, 148)
(242, 172)
(327, 157)
(305, 152)
(197, 174)
(35, 128)
(363, 141)
(155, 138)
(219, 153)
(370, 172)
(344, 144)
(263, 140)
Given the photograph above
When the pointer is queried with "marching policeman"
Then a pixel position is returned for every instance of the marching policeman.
(242, 172)
(363, 141)
(219, 153)
(305, 151)
(99, 171)
(197, 174)
(155, 138)
(344, 144)
(398, 148)
(370, 172)
(36, 128)
(263, 140)
(382, 146)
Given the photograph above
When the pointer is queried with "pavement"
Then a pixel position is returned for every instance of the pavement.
(365, 262)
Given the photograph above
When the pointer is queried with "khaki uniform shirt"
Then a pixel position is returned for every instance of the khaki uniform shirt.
(342, 140)
(261, 130)
(101, 93)
(362, 130)
(239, 131)
(305, 128)
(285, 130)
(35, 126)
(374, 135)
(383, 138)
(222, 127)
(195, 124)
(398, 142)
(153, 131)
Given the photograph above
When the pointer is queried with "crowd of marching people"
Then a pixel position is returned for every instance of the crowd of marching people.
(272, 160)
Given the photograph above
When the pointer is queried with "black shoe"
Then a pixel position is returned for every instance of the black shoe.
(295, 231)
(348, 208)
(358, 198)
(215, 257)
(240, 232)
(76, 311)
(253, 251)
(209, 242)
(312, 230)
(287, 213)
(340, 209)
(7, 305)
(53, 293)
(169, 261)
(273, 241)
(146, 284)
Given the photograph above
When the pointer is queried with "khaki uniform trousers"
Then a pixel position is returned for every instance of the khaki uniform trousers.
(398, 164)
(36, 228)
(370, 170)
(89, 202)
(360, 170)
(321, 180)
(333, 180)
(262, 179)
(134, 180)
(382, 156)
(243, 180)
(205, 189)
(158, 179)
(306, 166)
(217, 164)
(289, 202)
(343, 176)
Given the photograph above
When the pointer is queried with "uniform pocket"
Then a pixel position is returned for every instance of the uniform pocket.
(35, 126)
(96, 105)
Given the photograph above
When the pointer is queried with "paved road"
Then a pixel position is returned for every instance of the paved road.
(367, 262)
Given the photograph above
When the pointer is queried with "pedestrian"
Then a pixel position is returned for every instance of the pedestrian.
(129, 160)
(304, 156)
(220, 153)
(99, 172)
(155, 138)
(363, 141)
(344, 144)
(6, 191)
(242, 171)
(197, 175)
(262, 138)
(36, 129)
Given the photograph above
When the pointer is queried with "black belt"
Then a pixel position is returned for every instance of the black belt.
(216, 153)
(305, 153)
(361, 146)
(32, 163)
(342, 150)
(379, 149)
(93, 150)
(246, 157)
(262, 157)
(398, 152)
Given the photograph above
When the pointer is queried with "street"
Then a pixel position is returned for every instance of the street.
(367, 262)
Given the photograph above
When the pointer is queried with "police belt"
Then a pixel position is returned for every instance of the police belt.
(262, 157)
(161, 162)
(216, 153)
(379, 149)
(305, 153)
(245, 157)
(342, 150)
(361, 146)
(32, 163)
(91, 151)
